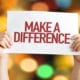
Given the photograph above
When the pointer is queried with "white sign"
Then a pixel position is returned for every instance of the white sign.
(41, 32)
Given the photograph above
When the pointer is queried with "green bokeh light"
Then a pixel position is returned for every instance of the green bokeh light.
(45, 71)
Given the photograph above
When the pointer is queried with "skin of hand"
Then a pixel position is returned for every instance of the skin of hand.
(76, 45)
(5, 42)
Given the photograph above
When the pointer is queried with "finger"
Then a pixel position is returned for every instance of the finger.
(73, 45)
(7, 44)
(8, 39)
(9, 34)
(75, 37)
(2, 44)
(78, 49)
(1, 36)
(76, 46)
(75, 42)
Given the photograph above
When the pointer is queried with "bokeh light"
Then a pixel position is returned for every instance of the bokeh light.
(7, 4)
(63, 3)
(3, 23)
(19, 57)
(24, 67)
(45, 71)
(10, 63)
(60, 77)
(66, 61)
(28, 65)
(40, 6)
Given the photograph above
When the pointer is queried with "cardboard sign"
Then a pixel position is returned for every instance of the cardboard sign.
(41, 32)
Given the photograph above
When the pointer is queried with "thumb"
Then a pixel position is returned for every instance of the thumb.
(74, 37)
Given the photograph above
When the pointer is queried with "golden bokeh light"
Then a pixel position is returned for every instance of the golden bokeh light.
(28, 65)
(60, 77)
(66, 61)
(7, 4)
(19, 57)
(40, 6)
(3, 23)
(10, 63)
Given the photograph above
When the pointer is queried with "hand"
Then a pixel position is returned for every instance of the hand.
(76, 43)
(76, 46)
(5, 42)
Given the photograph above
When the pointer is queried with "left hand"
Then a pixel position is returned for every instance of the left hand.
(76, 46)
(76, 43)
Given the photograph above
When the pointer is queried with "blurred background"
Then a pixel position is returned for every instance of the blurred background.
(38, 67)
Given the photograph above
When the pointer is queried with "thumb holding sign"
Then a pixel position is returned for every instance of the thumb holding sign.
(76, 42)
